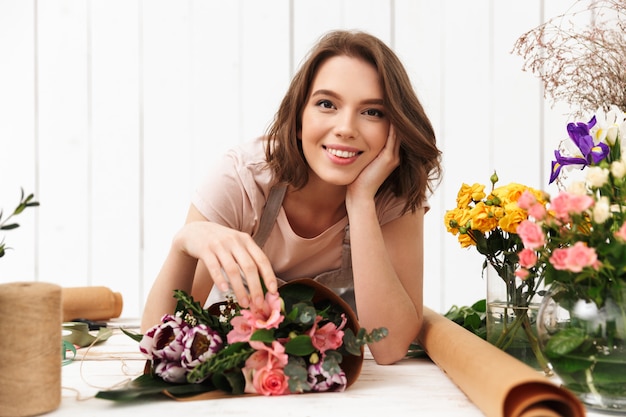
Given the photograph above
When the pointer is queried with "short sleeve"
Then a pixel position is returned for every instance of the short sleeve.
(233, 193)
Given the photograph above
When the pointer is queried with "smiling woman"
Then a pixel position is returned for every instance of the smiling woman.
(336, 191)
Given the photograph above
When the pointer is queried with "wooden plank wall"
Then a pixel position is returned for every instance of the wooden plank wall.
(112, 110)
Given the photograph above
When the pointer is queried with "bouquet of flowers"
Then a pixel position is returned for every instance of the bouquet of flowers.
(489, 222)
(578, 244)
(580, 241)
(304, 339)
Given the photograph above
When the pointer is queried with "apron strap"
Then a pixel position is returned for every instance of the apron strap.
(270, 213)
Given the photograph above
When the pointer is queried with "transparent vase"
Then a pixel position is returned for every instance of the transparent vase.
(512, 309)
(586, 345)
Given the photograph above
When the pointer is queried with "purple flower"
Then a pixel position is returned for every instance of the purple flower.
(170, 371)
(582, 138)
(165, 340)
(321, 380)
(200, 343)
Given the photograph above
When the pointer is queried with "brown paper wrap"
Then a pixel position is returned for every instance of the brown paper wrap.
(497, 383)
(30, 348)
(91, 303)
(351, 364)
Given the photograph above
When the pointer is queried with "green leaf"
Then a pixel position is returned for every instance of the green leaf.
(135, 336)
(300, 345)
(148, 385)
(298, 377)
(564, 342)
(263, 335)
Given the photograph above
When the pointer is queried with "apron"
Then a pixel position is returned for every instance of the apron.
(339, 280)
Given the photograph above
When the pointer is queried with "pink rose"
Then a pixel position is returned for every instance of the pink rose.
(327, 337)
(527, 258)
(580, 256)
(559, 259)
(621, 233)
(270, 381)
(574, 258)
(565, 204)
(531, 234)
(522, 273)
(538, 211)
(526, 200)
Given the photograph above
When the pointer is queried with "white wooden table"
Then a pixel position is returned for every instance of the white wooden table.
(410, 387)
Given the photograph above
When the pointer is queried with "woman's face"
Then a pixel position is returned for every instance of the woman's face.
(344, 123)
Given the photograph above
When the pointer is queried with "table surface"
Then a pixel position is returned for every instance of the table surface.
(414, 386)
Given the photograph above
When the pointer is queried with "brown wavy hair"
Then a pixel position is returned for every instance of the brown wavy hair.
(420, 159)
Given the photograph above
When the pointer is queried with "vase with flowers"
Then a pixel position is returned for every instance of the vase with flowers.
(488, 222)
(579, 243)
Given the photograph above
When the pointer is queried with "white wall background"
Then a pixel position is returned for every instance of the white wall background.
(112, 110)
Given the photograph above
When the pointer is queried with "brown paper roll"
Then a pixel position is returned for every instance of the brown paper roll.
(497, 383)
(30, 348)
(91, 303)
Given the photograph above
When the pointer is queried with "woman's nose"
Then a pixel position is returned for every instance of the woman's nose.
(346, 125)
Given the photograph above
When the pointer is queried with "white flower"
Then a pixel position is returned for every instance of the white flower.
(596, 176)
(608, 125)
(601, 210)
(618, 168)
(577, 188)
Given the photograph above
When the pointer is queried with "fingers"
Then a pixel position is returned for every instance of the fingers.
(240, 265)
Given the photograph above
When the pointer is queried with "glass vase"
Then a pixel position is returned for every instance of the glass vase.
(585, 344)
(512, 309)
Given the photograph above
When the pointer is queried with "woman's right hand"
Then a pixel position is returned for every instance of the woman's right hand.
(230, 257)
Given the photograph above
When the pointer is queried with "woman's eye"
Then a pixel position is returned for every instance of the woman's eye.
(374, 113)
(326, 104)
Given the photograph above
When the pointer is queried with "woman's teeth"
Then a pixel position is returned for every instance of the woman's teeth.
(340, 153)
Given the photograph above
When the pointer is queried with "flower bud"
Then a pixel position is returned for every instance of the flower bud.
(314, 358)
(494, 178)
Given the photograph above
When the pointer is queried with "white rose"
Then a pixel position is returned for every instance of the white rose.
(597, 177)
(577, 188)
(601, 210)
(618, 168)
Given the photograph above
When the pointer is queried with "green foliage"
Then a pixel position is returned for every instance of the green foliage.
(472, 318)
(25, 202)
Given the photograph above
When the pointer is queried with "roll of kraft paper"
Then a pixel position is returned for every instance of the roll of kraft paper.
(499, 384)
(30, 348)
(91, 303)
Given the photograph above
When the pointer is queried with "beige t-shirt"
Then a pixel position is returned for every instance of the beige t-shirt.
(234, 194)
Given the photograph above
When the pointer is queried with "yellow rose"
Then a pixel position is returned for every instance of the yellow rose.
(455, 218)
(509, 222)
(465, 240)
(510, 192)
(468, 193)
(483, 218)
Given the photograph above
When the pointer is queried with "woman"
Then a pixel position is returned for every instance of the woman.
(336, 190)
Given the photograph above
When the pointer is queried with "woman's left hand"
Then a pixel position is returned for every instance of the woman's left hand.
(373, 175)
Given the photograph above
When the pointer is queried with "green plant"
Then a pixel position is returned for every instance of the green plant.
(25, 201)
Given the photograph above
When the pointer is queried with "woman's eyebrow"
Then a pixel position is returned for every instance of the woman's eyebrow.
(324, 92)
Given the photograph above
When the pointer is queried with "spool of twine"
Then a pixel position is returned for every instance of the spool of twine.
(30, 348)
(91, 303)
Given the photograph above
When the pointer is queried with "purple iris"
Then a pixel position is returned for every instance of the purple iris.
(591, 153)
